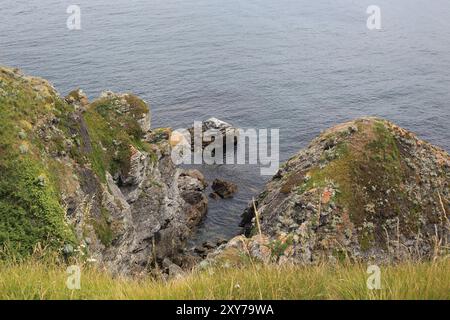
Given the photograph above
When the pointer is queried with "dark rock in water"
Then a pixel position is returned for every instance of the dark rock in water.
(221, 241)
(200, 250)
(214, 196)
(209, 245)
(223, 188)
(215, 124)
(367, 190)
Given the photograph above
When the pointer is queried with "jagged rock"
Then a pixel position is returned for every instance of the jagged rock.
(223, 188)
(215, 125)
(352, 193)
(191, 184)
(209, 245)
(174, 271)
(200, 250)
(191, 180)
(77, 98)
(135, 174)
(157, 135)
(112, 181)
(131, 179)
(221, 241)
(192, 177)
(367, 190)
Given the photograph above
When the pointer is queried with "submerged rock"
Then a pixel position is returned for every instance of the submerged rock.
(223, 188)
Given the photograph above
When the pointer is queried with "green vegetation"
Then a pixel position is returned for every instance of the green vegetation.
(37, 279)
(29, 208)
(103, 229)
(112, 131)
(278, 247)
(43, 141)
(360, 168)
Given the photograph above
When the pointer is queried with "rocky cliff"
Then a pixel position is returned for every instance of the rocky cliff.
(364, 190)
(94, 180)
(91, 179)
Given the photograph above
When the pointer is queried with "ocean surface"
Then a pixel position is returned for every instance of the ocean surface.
(297, 65)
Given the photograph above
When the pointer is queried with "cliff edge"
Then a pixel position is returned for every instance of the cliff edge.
(91, 179)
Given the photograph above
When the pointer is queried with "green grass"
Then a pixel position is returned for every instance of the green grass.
(40, 280)
(103, 228)
(30, 211)
(112, 132)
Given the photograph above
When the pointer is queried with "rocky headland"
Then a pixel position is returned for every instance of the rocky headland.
(366, 190)
(94, 179)
(91, 178)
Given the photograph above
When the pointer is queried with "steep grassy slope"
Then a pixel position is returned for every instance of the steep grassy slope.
(30, 210)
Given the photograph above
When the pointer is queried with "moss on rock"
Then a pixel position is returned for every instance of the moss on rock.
(30, 211)
(44, 142)
(366, 187)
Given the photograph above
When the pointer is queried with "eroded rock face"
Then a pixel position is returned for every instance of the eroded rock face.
(152, 207)
(192, 184)
(132, 178)
(161, 218)
(98, 180)
(366, 190)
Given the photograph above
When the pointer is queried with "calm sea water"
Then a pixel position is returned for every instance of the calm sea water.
(297, 65)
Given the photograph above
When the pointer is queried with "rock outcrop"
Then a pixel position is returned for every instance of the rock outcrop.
(212, 126)
(364, 190)
(92, 176)
(77, 98)
(223, 189)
